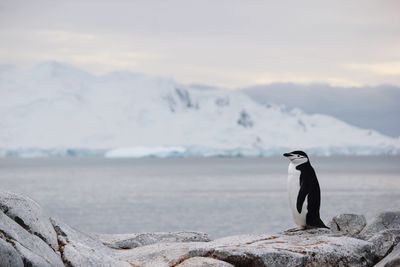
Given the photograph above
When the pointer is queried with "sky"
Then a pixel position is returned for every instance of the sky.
(227, 43)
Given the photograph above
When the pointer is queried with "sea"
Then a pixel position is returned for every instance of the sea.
(218, 196)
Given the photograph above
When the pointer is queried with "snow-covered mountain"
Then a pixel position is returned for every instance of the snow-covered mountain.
(375, 107)
(56, 108)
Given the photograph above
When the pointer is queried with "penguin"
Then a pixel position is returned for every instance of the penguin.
(304, 191)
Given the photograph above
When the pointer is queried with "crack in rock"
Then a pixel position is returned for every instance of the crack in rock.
(298, 251)
(6, 237)
(62, 240)
(261, 239)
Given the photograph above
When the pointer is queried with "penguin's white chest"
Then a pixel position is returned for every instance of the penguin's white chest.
(293, 189)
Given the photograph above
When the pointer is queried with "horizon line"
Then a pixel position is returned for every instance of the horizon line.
(312, 83)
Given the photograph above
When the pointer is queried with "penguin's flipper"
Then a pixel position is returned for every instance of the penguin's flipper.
(301, 197)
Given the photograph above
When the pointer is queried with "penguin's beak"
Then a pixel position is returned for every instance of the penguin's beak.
(287, 154)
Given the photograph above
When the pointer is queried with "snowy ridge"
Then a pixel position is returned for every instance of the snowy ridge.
(53, 108)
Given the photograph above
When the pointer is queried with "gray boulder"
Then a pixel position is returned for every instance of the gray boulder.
(384, 221)
(384, 241)
(127, 241)
(32, 249)
(317, 247)
(29, 215)
(79, 249)
(8, 255)
(348, 224)
(391, 260)
(384, 234)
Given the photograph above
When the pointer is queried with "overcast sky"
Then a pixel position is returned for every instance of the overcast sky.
(228, 43)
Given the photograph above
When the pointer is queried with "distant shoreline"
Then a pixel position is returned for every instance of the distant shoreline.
(186, 152)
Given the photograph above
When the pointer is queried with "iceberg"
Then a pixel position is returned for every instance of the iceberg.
(140, 152)
(58, 110)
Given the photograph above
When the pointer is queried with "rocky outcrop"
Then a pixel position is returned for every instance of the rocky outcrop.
(30, 237)
(29, 215)
(27, 233)
(203, 262)
(391, 260)
(128, 241)
(349, 224)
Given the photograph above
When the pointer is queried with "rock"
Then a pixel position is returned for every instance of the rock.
(163, 255)
(79, 249)
(29, 215)
(384, 221)
(349, 224)
(32, 249)
(315, 247)
(384, 241)
(391, 260)
(31, 258)
(311, 247)
(9, 257)
(27, 239)
(127, 241)
(203, 262)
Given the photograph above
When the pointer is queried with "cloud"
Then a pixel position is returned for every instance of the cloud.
(385, 68)
(95, 52)
(226, 43)
(65, 36)
(302, 78)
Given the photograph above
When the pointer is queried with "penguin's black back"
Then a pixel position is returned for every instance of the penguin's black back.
(309, 185)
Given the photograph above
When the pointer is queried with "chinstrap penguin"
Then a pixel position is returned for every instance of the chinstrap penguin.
(304, 191)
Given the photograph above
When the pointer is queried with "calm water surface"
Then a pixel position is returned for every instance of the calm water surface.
(219, 196)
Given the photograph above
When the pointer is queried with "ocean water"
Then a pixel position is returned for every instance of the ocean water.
(219, 196)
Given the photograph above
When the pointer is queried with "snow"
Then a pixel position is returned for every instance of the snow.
(53, 109)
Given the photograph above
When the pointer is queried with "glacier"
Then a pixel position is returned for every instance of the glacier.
(55, 109)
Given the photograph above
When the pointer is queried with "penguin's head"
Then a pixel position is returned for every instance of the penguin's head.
(297, 157)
